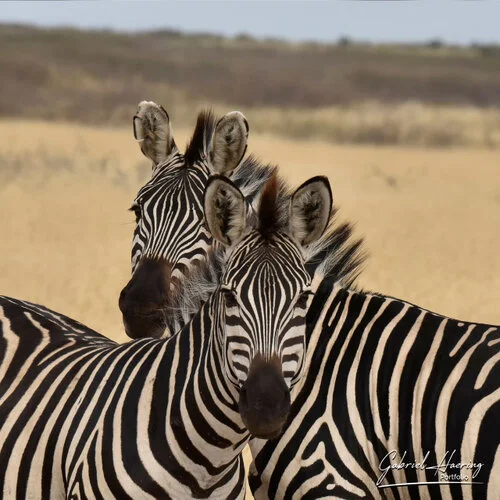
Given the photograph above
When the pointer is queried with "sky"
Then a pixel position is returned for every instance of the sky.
(452, 21)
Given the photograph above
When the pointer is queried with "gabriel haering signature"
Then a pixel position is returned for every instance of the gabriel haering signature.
(447, 471)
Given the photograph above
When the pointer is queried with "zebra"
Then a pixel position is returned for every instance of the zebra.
(84, 417)
(313, 474)
(170, 239)
(396, 402)
(273, 481)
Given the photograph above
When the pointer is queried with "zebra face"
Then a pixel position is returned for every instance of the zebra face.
(266, 289)
(263, 295)
(170, 238)
(169, 217)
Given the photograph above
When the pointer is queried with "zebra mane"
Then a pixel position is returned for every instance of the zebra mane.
(251, 175)
(204, 130)
(195, 289)
(337, 255)
(334, 256)
(269, 208)
(270, 212)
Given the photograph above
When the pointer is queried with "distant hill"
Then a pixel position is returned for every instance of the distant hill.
(99, 76)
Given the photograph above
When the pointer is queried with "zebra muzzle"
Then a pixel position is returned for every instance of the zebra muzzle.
(264, 402)
(144, 299)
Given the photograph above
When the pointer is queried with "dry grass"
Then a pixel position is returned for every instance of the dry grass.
(244, 71)
(410, 124)
(430, 217)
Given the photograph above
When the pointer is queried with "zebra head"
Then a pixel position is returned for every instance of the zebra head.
(264, 290)
(170, 239)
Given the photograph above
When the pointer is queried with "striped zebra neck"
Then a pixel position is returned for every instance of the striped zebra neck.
(81, 416)
(387, 383)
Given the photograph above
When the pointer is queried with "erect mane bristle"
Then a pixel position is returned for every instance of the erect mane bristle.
(337, 255)
(250, 175)
(269, 213)
(188, 296)
(203, 131)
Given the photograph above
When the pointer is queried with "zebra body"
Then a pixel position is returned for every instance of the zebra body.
(84, 417)
(390, 392)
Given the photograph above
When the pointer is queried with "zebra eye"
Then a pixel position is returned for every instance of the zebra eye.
(137, 212)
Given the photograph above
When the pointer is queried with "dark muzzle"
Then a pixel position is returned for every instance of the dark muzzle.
(144, 299)
(265, 399)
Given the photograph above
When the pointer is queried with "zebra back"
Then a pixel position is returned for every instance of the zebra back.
(396, 402)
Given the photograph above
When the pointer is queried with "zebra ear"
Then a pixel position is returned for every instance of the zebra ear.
(225, 210)
(310, 210)
(229, 143)
(152, 131)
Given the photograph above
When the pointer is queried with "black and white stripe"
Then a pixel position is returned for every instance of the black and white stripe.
(169, 207)
(84, 417)
(169, 213)
(366, 356)
(255, 313)
(385, 378)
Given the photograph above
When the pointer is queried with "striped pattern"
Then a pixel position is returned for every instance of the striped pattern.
(171, 211)
(170, 225)
(169, 207)
(385, 378)
(265, 285)
(170, 238)
(83, 417)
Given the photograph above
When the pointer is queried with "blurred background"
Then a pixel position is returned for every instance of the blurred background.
(397, 102)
